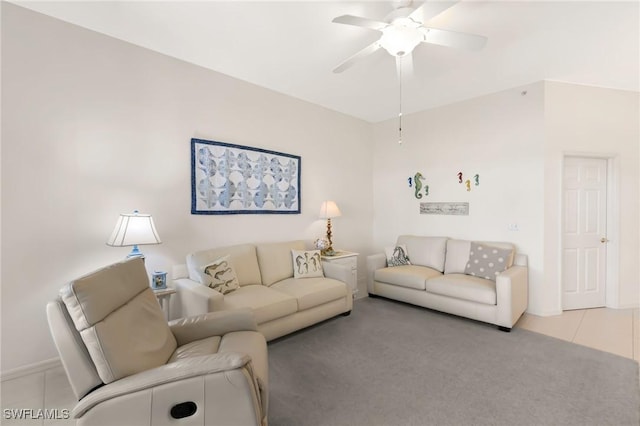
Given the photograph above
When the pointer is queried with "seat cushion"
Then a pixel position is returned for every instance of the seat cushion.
(266, 304)
(276, 263)
(201, 347)
(311, 292)
(410, 276)
(425, 251)
(463, 287)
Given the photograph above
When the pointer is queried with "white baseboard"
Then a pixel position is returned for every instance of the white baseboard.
(27, 370)
(544, 313)
(626, 306)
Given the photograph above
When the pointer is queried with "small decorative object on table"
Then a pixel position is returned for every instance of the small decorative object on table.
(159, 280)
(323, 244)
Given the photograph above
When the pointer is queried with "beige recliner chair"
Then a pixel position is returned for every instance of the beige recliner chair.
(127, 366)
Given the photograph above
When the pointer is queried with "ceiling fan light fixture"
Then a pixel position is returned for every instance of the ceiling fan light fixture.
(401, 37)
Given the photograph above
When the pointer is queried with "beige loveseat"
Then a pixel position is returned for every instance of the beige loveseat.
(439, 277)
(281, 303)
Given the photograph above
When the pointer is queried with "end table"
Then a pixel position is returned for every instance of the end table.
(164, 298)
(350, 259)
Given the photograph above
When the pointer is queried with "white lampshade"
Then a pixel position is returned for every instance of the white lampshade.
(133, 230)
(329, 209)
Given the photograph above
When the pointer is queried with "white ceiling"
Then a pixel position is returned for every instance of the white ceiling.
(292, 46)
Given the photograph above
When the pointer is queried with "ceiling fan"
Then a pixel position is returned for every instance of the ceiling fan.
(403, 29)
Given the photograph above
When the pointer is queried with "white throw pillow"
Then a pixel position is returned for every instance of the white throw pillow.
(397, 255)
(307, 264)
(221, 275)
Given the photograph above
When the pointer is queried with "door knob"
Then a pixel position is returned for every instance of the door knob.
(603, 240)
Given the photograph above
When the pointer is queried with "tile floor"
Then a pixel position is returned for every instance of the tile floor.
(610, 330)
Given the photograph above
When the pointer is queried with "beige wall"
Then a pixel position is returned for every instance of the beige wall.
(593, 121)
(93, 127)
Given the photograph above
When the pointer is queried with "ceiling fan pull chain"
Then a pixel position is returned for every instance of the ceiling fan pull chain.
(400, 114)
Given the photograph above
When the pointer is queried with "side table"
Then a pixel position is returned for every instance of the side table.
(349, 259)
(164, 298)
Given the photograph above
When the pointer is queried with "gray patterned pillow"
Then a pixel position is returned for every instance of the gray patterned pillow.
(397, 256)
(487, 261)
(222, 275)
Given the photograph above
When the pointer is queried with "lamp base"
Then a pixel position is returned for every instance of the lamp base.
(135, 253)
(328, 252)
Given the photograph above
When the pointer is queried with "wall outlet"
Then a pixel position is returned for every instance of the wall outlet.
(513, 227)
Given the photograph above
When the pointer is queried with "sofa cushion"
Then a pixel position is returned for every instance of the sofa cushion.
(119, 320)
(267, 304)
(410, 276)
(486, 261)
(311, 292)
(306, 263)
(221, 275)
(425, 251)
(457, 256)
(463, 287)
(397, 255)
(243, 257)
(275, 260)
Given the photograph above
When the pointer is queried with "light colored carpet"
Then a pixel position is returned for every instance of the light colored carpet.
(394, 364)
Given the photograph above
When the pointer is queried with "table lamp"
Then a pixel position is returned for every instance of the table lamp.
(329, 209)
(133, 230)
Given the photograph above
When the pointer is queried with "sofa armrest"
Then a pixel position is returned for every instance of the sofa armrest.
(197, 299)
(512, 292)
(189, 329)
(173, 372)
(374, 262)
(337, 271)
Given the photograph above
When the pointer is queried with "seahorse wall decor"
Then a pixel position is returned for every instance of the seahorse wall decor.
(467, 182)
(417, 184)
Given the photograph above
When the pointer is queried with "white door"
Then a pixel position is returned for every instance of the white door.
(584, 248)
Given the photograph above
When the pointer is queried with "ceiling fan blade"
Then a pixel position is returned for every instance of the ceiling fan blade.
(429, 10)
(404, 66)
(453, 39)
(360, 22)
(355, 58)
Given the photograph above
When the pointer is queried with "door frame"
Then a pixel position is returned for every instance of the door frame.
(612, 279)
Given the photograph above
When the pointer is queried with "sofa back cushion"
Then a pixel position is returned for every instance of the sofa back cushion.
(457, 256)
(242, 257)
(276, 263)
(425, 251)
(119, 320)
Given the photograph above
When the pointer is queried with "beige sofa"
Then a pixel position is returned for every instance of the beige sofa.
(281, 303)
(438, 278)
